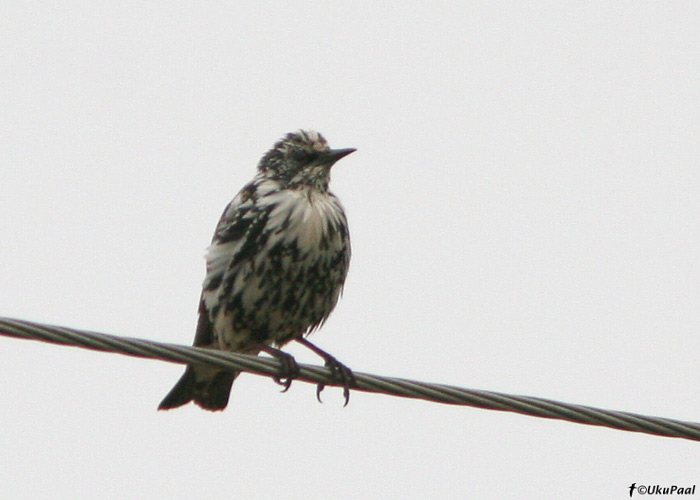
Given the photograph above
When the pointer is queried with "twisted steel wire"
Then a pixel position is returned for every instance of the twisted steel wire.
(526, 405)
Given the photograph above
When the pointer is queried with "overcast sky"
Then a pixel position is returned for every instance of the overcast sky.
(523, 206)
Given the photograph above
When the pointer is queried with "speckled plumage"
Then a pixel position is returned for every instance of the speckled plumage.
(276, 265)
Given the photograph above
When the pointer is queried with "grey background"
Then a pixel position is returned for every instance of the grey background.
(524, 214)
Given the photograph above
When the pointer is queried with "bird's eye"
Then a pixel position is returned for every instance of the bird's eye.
(302, 156)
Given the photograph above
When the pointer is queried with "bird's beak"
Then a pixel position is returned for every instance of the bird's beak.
(333, 155)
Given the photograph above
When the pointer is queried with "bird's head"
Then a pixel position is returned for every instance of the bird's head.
(301, 159)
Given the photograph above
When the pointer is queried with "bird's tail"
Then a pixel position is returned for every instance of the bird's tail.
(209, 389)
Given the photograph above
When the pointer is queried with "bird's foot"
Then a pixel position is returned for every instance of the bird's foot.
(339, 373)
(289, 369)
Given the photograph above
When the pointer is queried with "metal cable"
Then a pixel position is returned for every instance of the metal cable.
(526, 405)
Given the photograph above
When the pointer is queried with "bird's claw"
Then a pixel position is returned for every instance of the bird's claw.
(289, 370)
(341, 374)
(286, 382)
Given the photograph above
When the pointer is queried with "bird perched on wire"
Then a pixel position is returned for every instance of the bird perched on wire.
(275, 269)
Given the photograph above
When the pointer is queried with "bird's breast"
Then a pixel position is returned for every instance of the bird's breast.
(305, 219)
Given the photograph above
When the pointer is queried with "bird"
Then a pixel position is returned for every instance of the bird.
(275, 269)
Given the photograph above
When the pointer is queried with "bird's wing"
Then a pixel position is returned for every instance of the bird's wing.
(204, 336)
(238, 236)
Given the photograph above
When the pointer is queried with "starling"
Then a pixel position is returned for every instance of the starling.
(275, 269)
